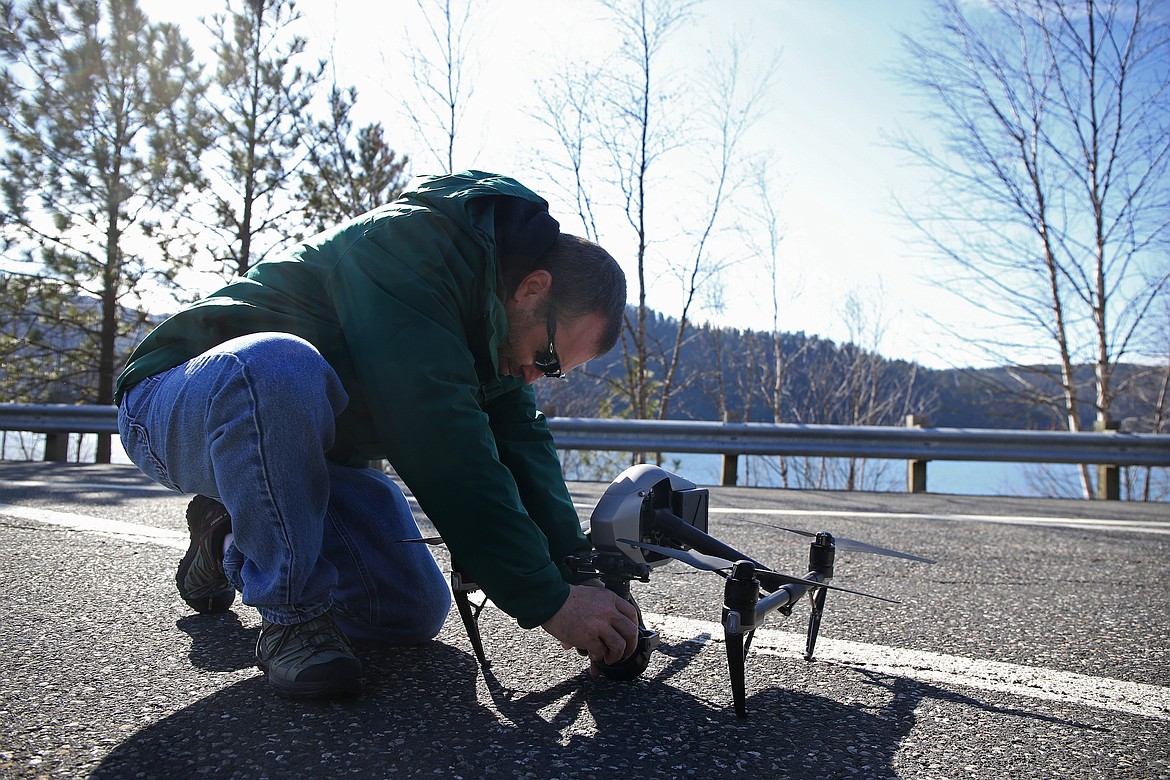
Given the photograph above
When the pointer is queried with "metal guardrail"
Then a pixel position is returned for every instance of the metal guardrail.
(845, 441)
(918, 446)
(58, 418)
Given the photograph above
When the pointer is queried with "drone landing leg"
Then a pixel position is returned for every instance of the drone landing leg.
(821, 555)
(736, 662)
(471, 623)
(740, 596)
(814, 621)
(460, 590)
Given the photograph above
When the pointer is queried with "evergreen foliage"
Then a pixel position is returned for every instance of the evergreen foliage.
(102, 129)
(348, 175)
(260, 109)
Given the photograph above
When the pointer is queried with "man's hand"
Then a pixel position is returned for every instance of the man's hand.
(596, 622)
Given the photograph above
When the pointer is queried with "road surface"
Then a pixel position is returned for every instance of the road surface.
(1037, 647)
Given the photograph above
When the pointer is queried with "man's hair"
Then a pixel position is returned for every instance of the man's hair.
(586, 280)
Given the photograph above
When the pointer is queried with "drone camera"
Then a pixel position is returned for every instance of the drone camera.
(691, 505)
(670, 510)
(685, 501)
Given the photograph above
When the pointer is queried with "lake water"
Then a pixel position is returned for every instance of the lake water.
(958, 477)
(955, 477)
(986, 479)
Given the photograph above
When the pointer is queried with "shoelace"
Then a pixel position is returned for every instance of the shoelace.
(320, 633)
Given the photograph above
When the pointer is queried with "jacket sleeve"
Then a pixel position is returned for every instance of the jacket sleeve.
(400, 292)
(526, 447)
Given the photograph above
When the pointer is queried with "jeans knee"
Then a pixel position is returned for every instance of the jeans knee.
(279, 359)
(437, 611)
(412, 624)
(284, 366)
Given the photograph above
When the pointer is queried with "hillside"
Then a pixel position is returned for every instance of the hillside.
(831, 383)
(47, 350)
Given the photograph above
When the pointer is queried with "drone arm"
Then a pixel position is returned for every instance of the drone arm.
(785, 595)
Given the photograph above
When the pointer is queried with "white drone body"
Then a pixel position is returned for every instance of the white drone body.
(626, 510)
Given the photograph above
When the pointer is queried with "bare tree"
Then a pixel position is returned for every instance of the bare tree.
(438, 68)
(1150, 386)
(622, 122)
(637, 129)
(766, 239)
(1052, 201)
(568, 108)
(730, 107)
(841, 384)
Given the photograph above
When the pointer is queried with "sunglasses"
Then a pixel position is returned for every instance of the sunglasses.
(547, 360)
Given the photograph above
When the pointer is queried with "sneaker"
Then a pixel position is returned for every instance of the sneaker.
(308, 660)
(200, 577)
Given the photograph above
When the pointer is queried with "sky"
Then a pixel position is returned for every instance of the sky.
(832, 105)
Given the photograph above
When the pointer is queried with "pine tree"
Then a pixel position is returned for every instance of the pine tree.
(261, 123)
(102, 129)
(348, 175)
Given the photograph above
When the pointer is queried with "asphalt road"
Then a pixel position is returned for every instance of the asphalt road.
(1037, 647)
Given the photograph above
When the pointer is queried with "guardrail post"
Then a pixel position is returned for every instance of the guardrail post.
(1108, 477)
(730, 469)
(916, 469)
(57, 447)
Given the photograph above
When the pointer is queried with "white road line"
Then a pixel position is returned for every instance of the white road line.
(1148, 701)
(56, 483)
(947, 670)
(1099, 524)
(1096, 524)
(131, 532)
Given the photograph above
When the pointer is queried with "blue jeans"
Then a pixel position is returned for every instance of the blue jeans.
(249, 423)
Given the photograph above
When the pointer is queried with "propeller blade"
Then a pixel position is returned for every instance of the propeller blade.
(849, 544)
(854, 545)
(771, 579)
(697, 559)
(435, 540)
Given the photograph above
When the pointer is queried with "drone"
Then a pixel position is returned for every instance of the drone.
(649, 517)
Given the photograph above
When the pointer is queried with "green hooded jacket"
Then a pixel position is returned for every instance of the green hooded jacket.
(405, 304)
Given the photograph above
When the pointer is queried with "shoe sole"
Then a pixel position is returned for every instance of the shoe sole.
(328, 689)
(220, 600)
(332, 688)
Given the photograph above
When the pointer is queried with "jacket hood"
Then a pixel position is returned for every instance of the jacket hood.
(521, 228)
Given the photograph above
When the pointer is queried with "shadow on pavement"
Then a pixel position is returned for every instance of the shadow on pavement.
(210, 651)
(424, 712)
(419, 711)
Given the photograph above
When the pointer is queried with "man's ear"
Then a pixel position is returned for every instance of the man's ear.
(536, 283)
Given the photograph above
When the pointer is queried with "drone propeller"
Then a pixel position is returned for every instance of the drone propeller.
(691, 557)
(714, 563)
(849, 544)
(434, 540)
